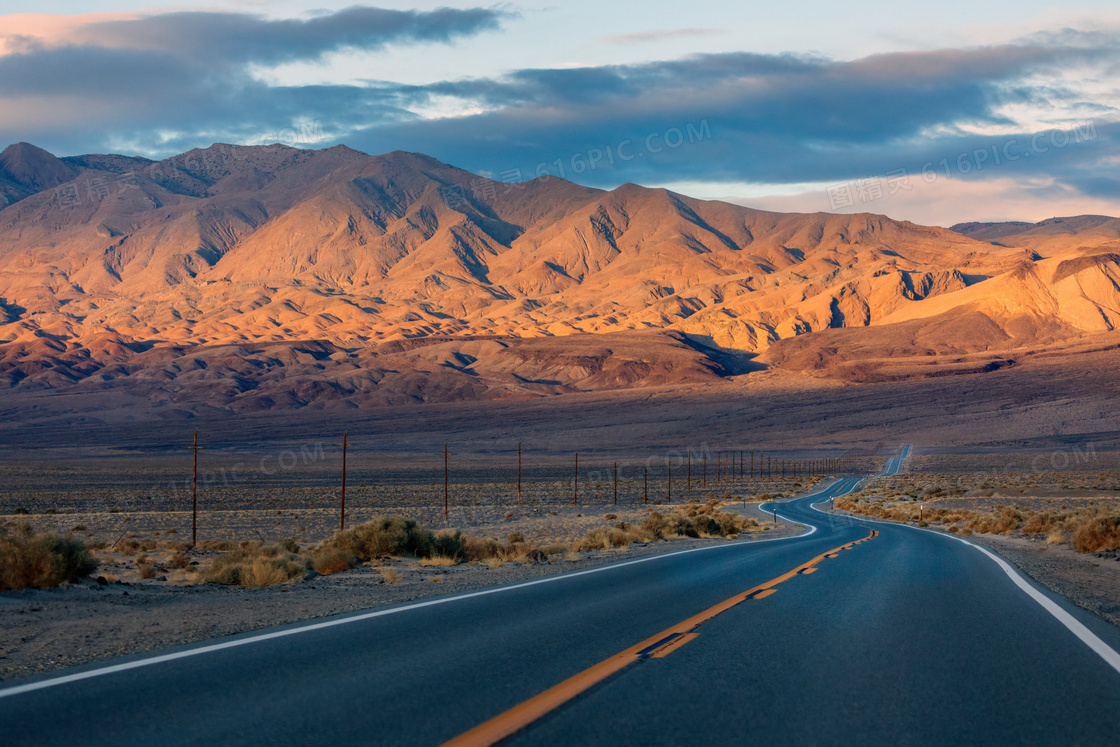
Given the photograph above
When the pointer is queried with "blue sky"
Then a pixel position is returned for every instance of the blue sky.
(935, 113)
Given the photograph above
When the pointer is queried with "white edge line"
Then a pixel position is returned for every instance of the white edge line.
(1075, 626)
(163, 658)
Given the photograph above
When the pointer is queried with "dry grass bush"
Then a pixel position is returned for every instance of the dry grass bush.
(331, 560)
(29, 560)
(386, 535)
(389, 575)
(691, 520)
(448, 546)
(696, 520)
(439, 560)
(254, 565)
(219, 545)
(605, 538)
(488, 548)
(1097, 533)
(485, 548)
(1088, 529)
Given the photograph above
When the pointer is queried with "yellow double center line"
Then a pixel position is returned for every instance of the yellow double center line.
(665, 642)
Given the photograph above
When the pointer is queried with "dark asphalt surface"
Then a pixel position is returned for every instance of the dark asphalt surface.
(909, 638)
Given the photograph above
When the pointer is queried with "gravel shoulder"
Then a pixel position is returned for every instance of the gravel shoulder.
(1088, 580)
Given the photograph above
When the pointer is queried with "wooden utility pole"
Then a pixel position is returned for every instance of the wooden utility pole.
(446, 489)
(705, 467)
(518, 473)
(194, 493)
(752, 464)
(616, 483)
(719, 466)
(575, 484)
(342, 504)
(688, 480)
(670, 497)
(645, 484)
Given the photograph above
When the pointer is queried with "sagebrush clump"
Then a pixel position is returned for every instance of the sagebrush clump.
(29, 560)
(254, 565)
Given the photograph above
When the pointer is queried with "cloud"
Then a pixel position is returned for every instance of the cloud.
(164, 81)
(219, 37)
(643, 37)
(169, 82)
(773, 118)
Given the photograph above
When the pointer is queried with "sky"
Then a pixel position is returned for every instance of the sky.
(936, 113)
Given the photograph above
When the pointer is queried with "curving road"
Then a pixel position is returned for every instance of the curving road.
(856, 631)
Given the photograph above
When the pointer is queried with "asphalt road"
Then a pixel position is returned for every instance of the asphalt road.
(902, 637)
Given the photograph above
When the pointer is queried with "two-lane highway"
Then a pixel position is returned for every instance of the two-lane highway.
(855, 631)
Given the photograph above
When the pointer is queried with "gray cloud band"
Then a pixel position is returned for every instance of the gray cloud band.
(775, 118)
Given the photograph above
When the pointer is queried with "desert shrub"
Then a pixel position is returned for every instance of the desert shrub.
(438, 560)
(219, 545)
(655, 525)
(1038, 523)
(513, 537)
(484, 548)
(678, 525)
(332, 560)
(179, 560)
(452, 546)
(604, 538)
(29, 560)
(256, 565)
(1096, 534)
(707, 526)
(387, 535)
(1007, 518)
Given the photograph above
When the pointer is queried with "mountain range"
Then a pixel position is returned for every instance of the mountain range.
(260, 277)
